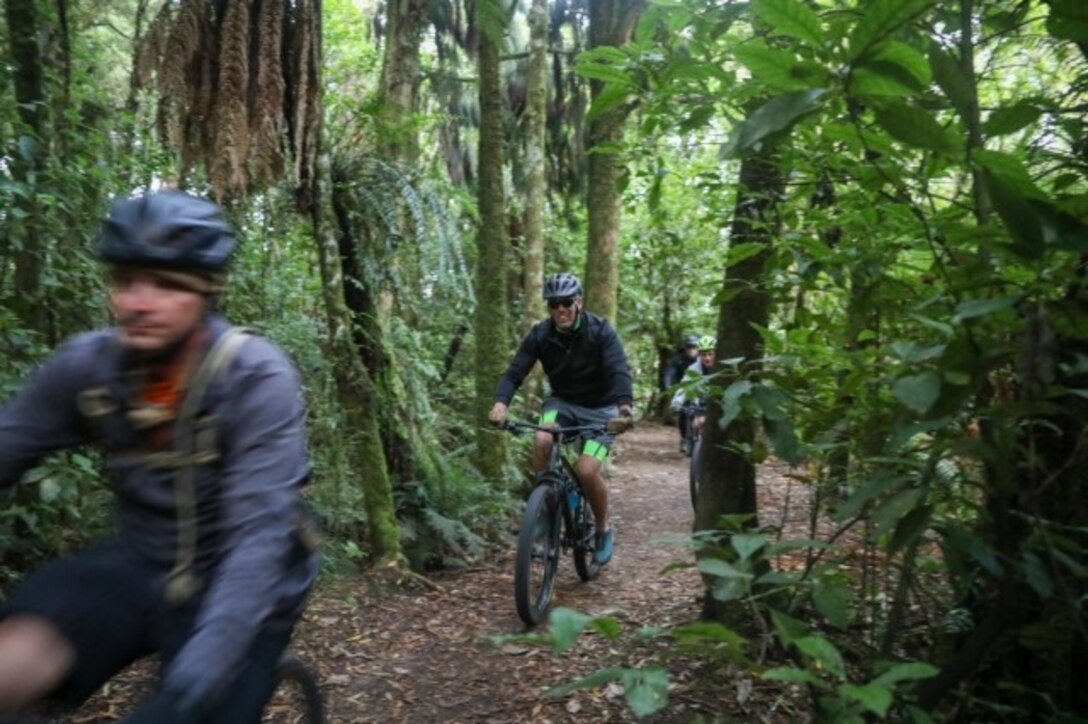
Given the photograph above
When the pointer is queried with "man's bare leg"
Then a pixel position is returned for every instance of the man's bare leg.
(34, 658)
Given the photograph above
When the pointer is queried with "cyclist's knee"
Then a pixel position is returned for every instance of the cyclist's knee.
(588, 467)
(542, 443)
(34, 658)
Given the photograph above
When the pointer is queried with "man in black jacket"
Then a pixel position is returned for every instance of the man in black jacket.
(590, 382)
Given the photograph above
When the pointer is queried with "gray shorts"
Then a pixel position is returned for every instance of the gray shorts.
(567, 414)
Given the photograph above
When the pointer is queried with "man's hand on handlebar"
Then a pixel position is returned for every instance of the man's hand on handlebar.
(497, 416)
(623, 423)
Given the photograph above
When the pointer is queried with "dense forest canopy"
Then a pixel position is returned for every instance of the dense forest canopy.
(879, 207)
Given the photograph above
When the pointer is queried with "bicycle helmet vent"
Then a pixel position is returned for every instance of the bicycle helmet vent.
(707, 342)
(564, 284)
(167, 229)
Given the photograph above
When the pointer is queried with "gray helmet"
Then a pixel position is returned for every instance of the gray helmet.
(692, 340)
(563, 284)
(167, 229)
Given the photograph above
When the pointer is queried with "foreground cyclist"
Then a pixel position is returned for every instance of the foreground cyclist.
(590, 381)
(212, 558)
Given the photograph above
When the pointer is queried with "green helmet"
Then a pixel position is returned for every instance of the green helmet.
(706, 342)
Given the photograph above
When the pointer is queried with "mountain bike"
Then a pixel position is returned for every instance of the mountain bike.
(695, 410)
(557, 518)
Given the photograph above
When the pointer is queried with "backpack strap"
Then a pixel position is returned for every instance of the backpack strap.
(182, 582)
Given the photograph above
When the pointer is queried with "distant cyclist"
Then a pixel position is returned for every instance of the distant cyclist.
(202, 426)
(590, 382)
(685, 355)
(691, 412)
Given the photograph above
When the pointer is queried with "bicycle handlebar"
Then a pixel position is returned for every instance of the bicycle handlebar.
(616, 425)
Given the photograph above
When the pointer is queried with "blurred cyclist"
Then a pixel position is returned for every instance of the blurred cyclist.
(202, 426)
(692, 412)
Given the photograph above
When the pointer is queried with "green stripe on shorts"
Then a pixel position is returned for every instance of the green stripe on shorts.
(595, 449)
(548, 416)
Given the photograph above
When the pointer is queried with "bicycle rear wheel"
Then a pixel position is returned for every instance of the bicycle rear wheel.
(538, 555)
(297, 698)
(584, 536)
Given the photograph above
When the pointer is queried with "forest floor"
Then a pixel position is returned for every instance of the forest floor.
(436, 652)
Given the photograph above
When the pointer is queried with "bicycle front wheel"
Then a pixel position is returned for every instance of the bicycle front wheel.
(297, 697)
(538, 555)
(693, 470)
(585, 542)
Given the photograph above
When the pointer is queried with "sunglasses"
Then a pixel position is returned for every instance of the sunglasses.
(564, 303)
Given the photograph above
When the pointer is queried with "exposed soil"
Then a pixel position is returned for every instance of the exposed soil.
(427, 653)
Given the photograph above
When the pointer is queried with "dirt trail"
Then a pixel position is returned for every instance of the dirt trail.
(428, 657)
(393, 655)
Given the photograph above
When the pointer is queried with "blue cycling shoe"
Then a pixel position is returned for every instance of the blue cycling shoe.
(603, 552)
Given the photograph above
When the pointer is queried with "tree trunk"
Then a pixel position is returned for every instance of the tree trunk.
(611, 22)
(398, 88)
(24, 238)
(536, 192)
(727, 477)
(354, 385)
(491, 329)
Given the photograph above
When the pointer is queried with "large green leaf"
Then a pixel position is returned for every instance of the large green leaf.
(611, 97)
(891, 511)
(775, 116)
(834, 601)
(959, 540)
(772, 66)
(918, 392)
(718, 567)
(784, 439)
(646, 690)
(709, 631)
(745, 544)
(981, 307)
(1010, 119)
(898, 63)
(732, 401)
(868, 491)
(822, 650)
(910, 527)
(607, 73)
(906, 672)
(564, 625)
(792, 18)
(874, 697)
(793, 675)
(879, 19)
(1068, 20)
(951, 78)
(914, 126)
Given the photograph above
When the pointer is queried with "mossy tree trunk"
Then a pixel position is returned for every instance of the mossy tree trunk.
(491, 317)
(355, 387)
(23, 238)
(536, 193)
(611, 22)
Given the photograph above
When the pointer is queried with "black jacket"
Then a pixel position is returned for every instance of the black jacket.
(586, 366)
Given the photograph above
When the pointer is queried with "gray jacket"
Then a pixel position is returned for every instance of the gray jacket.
(251, 563)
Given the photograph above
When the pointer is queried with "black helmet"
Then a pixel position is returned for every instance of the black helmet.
(169, 229)
(563, 284)
(692, 340)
